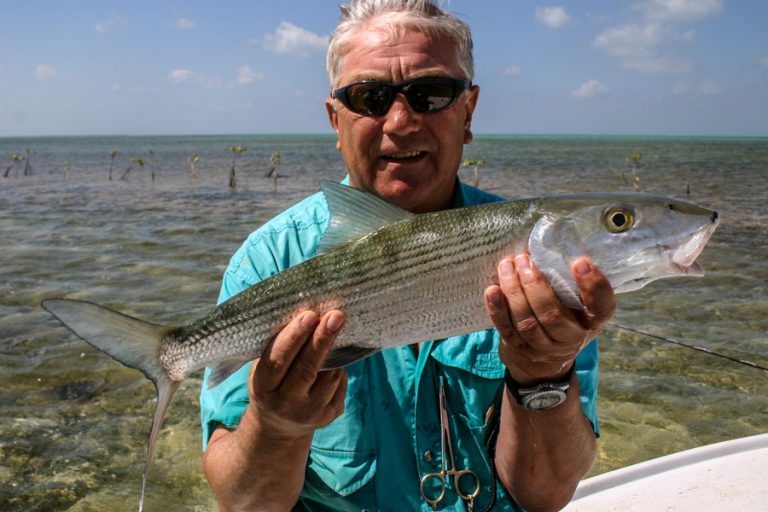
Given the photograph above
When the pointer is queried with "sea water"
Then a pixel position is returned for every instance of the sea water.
(154, 244)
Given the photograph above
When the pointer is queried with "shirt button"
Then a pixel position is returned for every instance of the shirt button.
(429, 456)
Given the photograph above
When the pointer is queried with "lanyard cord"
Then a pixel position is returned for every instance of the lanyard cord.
(490, 445)
(492, 503)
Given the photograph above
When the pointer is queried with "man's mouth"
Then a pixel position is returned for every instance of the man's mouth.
(404, 156)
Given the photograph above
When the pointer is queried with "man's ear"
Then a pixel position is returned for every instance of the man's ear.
(333, 118)
(469, 104)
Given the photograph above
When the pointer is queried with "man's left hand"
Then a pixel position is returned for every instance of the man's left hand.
(540, 337)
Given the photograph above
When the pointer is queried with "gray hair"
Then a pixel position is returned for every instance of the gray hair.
(422, 15)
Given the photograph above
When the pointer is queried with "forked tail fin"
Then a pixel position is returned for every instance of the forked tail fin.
(131, 341)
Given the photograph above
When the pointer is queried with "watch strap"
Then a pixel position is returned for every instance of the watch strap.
(518, 391)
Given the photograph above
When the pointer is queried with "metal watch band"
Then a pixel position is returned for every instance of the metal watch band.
(521, 393)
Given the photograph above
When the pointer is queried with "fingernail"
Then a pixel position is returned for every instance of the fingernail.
(582, 267)
(523, 264)
(308, 320)
(495, 299)
(334, 322)
(506, 269)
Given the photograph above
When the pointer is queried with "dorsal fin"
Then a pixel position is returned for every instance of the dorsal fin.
(354, 214)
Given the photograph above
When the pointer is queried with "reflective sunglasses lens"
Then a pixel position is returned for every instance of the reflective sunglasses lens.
(430, 96)
(369, 99)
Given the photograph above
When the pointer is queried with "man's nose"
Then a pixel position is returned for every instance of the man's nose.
(401, 118)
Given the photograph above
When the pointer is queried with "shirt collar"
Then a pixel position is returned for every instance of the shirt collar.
(459, 195)
(460, 199)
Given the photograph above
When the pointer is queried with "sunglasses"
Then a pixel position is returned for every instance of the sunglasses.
(429, 94)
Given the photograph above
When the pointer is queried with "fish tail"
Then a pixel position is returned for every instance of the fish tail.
(133, 342)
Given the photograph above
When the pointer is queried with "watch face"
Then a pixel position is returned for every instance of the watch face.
(544, 400)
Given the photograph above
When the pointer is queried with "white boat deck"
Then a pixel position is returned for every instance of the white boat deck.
(728, 476)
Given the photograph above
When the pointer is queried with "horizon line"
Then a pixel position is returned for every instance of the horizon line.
(332, 135)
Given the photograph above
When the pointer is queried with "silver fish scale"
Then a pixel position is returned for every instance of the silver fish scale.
(432, 288)
(418, 279)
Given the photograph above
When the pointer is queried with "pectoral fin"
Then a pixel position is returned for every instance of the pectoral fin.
(549, 258)
(222, 370)
(344, 356)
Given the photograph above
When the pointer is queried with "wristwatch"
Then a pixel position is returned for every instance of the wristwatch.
(542, 397)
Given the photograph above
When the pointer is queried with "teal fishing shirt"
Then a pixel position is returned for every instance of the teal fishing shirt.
(374, 455)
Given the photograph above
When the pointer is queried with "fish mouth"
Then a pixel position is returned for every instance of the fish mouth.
(683, 255)
(693, 270)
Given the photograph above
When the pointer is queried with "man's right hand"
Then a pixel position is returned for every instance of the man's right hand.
(289, 398)
(289, 395)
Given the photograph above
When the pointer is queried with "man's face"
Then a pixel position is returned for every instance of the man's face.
(410, 159)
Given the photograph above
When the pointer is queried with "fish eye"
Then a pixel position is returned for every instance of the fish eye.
(619, 220)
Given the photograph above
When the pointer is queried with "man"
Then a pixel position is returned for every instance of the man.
(284, 435)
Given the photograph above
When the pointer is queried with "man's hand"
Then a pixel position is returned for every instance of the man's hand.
(540, 457)
(540, 337)
(289, 395)
(289, 398)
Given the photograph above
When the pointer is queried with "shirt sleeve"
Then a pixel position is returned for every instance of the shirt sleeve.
(587, 373)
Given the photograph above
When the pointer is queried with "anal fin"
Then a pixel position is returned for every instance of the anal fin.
(564, 289)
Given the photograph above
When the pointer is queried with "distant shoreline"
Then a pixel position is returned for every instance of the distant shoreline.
(330, 136)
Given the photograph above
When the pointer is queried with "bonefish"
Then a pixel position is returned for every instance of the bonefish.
(402, 278)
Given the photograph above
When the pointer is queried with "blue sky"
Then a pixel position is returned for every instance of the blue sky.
(653, 67)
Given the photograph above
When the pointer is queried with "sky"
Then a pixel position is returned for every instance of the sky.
(619, 67)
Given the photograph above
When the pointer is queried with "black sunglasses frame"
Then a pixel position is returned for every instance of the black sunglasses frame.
(458, 86)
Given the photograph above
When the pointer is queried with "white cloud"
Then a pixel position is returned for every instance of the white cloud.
(138, 89)
(707, 88)
(589, 89)
(711, 89)
(637, 40)
(186, 76)
(246, 75)
(512, 71)
(643, 47)
(681, 88)
(647, 45)
(293, 40)
(181, 75)
(657, 64)
(45, 72)
(678, 10)
(186, 23)
(552, 17)
(763, 61)
(104, 25)
(219, 108)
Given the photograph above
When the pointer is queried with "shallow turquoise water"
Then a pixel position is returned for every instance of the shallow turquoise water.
(73, 423)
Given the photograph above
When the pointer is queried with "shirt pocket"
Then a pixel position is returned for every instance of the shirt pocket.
(343, 454)
(473, 372)
(342, 472)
